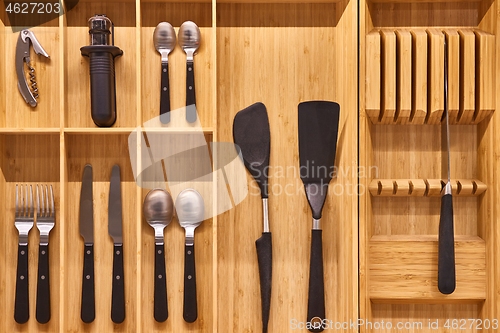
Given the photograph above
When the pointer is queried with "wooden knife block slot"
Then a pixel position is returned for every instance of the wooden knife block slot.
(405, 76)
(425, 187)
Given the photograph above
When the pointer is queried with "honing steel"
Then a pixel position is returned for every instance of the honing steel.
(87, 231)
(251, 133)
(190, 212)
(164, 41)
(189, 40)
(318, 130)
(45, 220)
(102, 53)
(115, 231)
(446, 247)
(23, 222)
(158, 209)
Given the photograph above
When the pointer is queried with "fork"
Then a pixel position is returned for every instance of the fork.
(24, 217)
(45, 219)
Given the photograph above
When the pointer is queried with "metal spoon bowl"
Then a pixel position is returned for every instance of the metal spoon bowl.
(158, 208)
(189, 38)
(190, 208)
(164, 39)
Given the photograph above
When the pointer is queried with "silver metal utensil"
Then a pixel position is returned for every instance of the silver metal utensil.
(164, 41)
(45, 221)
(23, 222)
(189, 40)
(158, 210)
(190, 210)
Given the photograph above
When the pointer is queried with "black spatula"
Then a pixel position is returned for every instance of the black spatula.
(251, 134)
(318, 129)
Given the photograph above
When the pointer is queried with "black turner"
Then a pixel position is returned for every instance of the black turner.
(251, 133)
(318, 130)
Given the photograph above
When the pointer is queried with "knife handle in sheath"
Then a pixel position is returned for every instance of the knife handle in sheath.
(88, 291)
(21, 303)
(43, 286)
(118, 287)
(316, 300)
(265, 260)
(160, 287)
(190, 93)
(446, 250)
(190, 311)
(164, 95)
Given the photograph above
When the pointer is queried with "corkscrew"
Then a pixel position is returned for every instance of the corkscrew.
(29, 91)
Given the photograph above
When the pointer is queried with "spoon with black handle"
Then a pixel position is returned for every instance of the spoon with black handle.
(158, 210)
(164, 41)
(189, 40)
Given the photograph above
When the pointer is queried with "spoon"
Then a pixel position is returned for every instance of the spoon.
(190, 212)
(189, 40)
(158, 210)
(164, 41)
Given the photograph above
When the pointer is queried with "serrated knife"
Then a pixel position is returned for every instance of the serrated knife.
(87, 313)
(115, 231)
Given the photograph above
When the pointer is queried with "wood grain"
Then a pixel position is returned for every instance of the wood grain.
(282, 67)
(404, 269)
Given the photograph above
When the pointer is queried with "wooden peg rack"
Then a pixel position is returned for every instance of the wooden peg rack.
(425, 187)
(405, 75)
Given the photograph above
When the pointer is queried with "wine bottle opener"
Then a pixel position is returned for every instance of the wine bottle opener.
(102, 53)
(27, 38)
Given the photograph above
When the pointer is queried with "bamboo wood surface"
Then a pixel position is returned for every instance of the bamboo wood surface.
(280, 53)
(404, 156)
(255, 64)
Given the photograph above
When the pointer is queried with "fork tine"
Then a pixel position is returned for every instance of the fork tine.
(44, 206)
(37, 201)
(31, 203)
(17, 200)
(53, 208)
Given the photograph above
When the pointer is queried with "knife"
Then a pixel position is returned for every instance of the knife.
(115, 231)
(446, 246)
(87, 231)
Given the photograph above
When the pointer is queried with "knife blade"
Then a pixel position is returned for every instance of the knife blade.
(87, 313)
(115, 231)
(446, 246)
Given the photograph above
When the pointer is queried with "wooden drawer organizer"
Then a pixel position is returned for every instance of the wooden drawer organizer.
(280, 53)
(401, 105)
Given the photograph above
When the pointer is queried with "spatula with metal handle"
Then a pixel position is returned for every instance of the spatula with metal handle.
(446, 247)
(318, 130)
(251, 133)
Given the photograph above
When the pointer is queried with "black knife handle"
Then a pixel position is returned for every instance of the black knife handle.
(160, 301)
(88, 290)
(190, 311)
(164, 94)
(316, 301)
(43, 286)
(118, 287)
(446, 250)
(265, 258)
(190, 94)
(21, 303)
